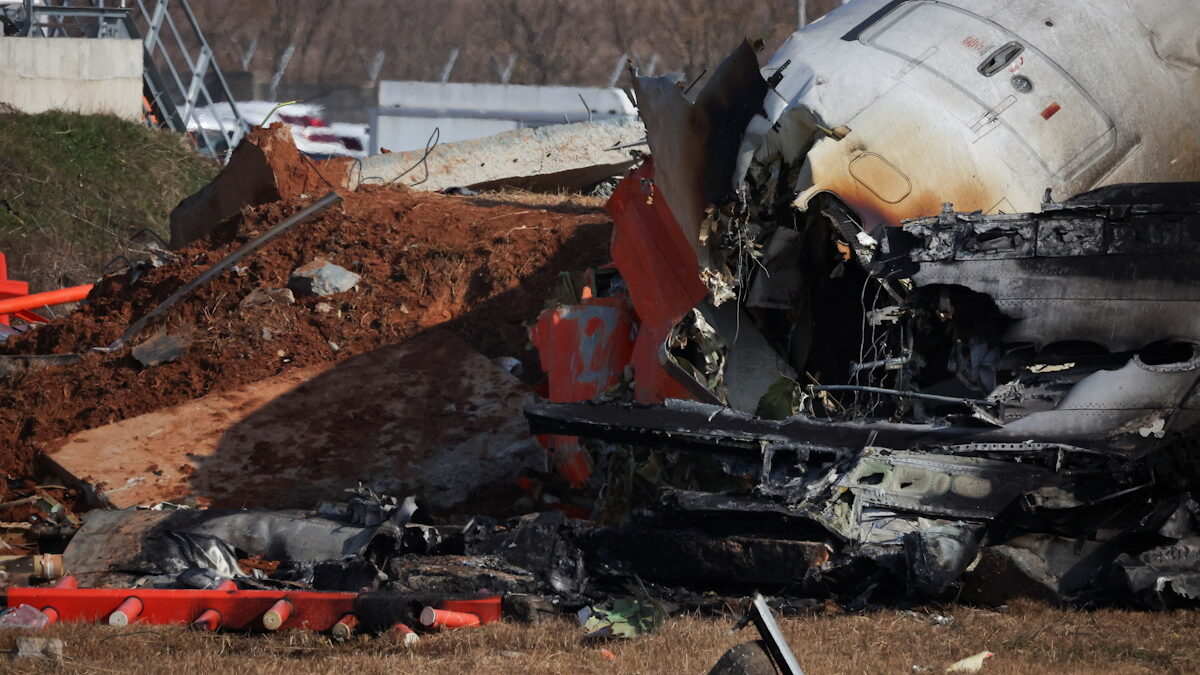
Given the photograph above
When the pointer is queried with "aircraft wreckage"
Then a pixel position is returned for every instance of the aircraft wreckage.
(922, 288)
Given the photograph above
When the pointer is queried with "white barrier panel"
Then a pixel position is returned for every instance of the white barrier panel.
(74, 74)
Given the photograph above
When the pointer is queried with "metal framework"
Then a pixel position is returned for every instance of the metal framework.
(181, 79)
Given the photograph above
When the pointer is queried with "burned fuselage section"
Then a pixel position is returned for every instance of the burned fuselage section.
(905, 341)
(950, 424)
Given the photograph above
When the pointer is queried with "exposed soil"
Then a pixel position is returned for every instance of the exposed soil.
(293, 173)
(481, 266)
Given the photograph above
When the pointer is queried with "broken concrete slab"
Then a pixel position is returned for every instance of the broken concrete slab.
(550, 158)
(321, 277)
(264, 168)
(383, 418)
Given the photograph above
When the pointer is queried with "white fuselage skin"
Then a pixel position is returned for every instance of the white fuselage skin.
(984, 104)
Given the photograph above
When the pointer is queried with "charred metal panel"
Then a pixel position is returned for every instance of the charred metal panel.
(1128, 406)
(685, 425)
(938, 485)
(751, 364)
(1167, 576)
(1115, 303)
(1071, 236)
(998, 238)
(657, 554)
(1042, 567)
(1119, 275)
(695, 143)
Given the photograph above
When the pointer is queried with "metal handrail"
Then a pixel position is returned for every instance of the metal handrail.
(225, 90)
(173, 80)
(110, 17)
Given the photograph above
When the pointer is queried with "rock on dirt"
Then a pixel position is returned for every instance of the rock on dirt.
(321, 277)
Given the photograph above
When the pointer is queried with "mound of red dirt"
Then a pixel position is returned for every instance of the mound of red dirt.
(480, 266)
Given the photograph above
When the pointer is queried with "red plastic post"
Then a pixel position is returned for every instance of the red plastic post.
(409, 636)
(67, 582)
(277, 615)
(209, 619)
(9, 289)
(444, 618)
(126, 612)
(487, 609)
(344, 627)
(57, 297)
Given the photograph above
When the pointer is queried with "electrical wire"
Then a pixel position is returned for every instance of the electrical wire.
(430, 144)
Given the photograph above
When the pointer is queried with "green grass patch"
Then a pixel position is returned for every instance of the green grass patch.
(74, 187)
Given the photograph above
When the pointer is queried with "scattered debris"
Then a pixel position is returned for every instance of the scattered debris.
(23, 616)
(971, 664)
(18, 569)
(39, 648)
(262, 295)
(623, 618)
(163, 348)
(771, 654)
(831, 374)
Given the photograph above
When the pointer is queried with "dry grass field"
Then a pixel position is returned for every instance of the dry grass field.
(1026, 638)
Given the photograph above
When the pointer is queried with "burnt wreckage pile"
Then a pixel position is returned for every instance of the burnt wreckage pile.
(849, 346)
(977, 422)
(961, 405)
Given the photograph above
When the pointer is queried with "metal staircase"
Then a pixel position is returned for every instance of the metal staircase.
(181, 80)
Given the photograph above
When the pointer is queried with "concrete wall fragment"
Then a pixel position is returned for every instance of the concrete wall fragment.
(74, 74)
(558, 157)
(264, 168)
